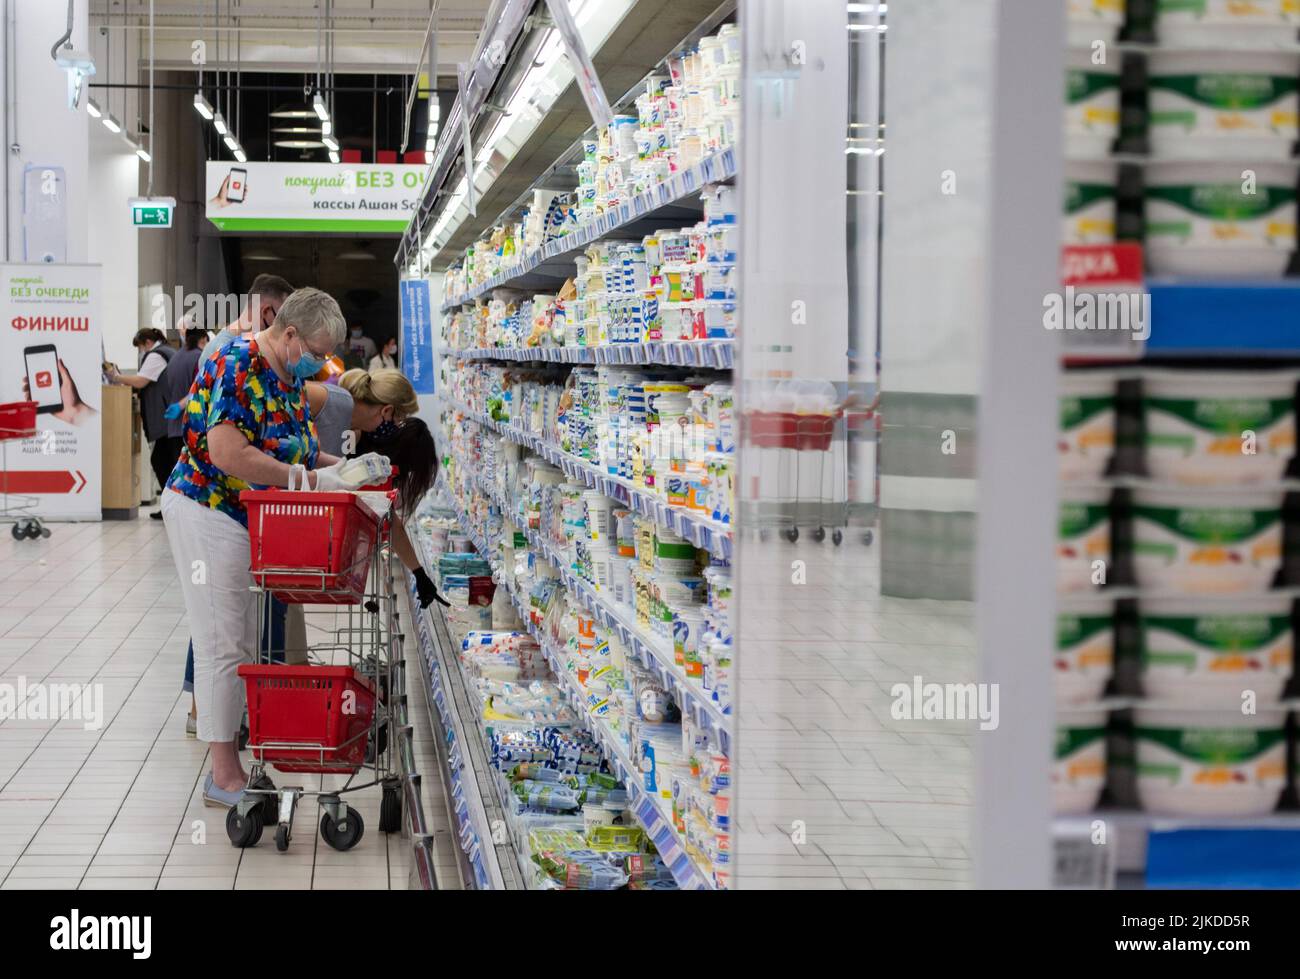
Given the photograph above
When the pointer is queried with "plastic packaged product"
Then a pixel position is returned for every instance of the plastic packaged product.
(1197, 653)
(1207, 541)
(687, 624)
(1219, 426)
(1079, 768)
(1217, 24)
(1214, 219)
(1085, 648)
(1087, 438)
(1090, 198)
(547, 795)
(1092, 105)
(1093, 20)
(1210, 763)
(1083, 537)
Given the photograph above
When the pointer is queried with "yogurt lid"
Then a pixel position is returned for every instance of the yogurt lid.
(1202, 606)
(1173, 496)
(1197, 385)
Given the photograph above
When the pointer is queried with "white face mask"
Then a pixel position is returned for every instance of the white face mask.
(356, 334)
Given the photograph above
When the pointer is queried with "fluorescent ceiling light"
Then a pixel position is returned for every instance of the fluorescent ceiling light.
(293, 114)
(232, 144)
(240, 155)
(326, 127)
(219, 124)
(318, 106)
(331, 143)
(143, 154)
(202, 106)
(93, 108)
(299, 144)
(111, 124)
(334, 156)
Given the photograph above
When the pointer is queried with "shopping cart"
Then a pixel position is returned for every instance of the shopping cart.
(18, 421)
(322, 548)
(794, 435)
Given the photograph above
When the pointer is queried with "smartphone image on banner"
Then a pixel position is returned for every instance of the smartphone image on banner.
(43, 378)
(237, 185)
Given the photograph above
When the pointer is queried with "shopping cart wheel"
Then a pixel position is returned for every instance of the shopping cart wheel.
(244, 831)
(837, 538)
(282, 837)
(819, 534)
(390, 807)
(18, 532)
(791, 534)
(45, 531)
(348, 835)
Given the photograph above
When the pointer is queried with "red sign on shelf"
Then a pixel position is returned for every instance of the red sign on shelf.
(1101, 264)
(43, 481)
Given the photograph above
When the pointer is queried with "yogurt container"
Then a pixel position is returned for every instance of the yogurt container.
(1210, 763)
(1090, 194)
(1091, 105)
(1093, 20)
(1201, 219)
(1199, 424)
(1083, 536)
(1085, 649)
(1194, 652)
(1207, 541)
(1087, 437)
(1222, 104)
(1224, 23)
(1079, 763)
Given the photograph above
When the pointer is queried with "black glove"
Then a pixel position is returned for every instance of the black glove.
(425, 590)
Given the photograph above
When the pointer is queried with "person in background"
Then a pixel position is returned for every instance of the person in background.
(174, 384)
(154, 357)
(358, 349)
(265, 297)
(387, 356)
(246, 425)
(383, 415)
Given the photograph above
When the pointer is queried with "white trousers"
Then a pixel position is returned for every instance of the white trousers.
(212, 554)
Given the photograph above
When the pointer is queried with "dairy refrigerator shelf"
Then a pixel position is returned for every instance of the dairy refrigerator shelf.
(704, 532)
(647, 810)
(717, 354)
(653, 653)
(713, 168)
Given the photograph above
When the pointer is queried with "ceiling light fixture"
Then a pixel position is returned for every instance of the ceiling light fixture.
(318, 106)
(219, 124)
(331, 143)
(111, 124)
(232, 144)
(143, 154)
(202, 106)
(240, 155)
(93, 108)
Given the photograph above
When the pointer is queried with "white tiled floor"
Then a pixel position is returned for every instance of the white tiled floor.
(122, 806)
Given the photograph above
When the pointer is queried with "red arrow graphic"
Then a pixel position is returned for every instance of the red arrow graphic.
(43, 481)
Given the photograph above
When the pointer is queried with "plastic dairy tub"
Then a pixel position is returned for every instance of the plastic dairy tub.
(1223, 104)
(1210, 762)
(1090, 192)
(1220, 218)
(1205, 427)
(1224, 23)
(1206, 541)
(1085, 649)
(1087, 437)
(1093, 20)
(1083, 536)
(1197, 652)
(1079, 761)
(1091, 105)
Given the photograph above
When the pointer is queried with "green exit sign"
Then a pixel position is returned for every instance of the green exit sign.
(152, 212)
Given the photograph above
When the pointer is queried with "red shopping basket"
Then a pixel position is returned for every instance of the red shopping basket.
(17, 420)
(310, 548)
(308, 718)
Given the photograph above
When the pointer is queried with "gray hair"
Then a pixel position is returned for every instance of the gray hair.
(312, 312)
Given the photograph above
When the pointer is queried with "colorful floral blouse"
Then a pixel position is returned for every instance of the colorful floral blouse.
(238, 386)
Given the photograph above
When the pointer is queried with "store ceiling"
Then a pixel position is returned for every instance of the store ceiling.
(281, 35)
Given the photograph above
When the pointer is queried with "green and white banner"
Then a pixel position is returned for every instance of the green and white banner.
(344, 197)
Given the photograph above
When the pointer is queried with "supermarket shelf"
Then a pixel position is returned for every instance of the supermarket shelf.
(492, 865)
(703, 532)
(629, 219)
(1130, 829)
(648, 810)
(653, 653)
(719, 354)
